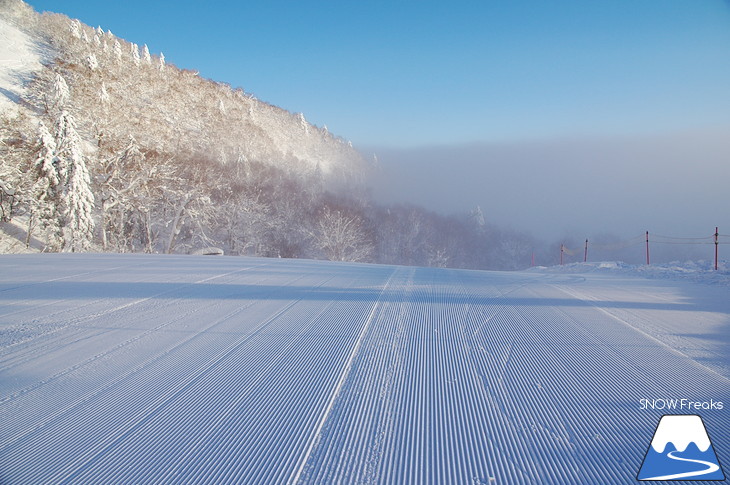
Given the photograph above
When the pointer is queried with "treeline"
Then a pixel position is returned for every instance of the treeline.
(116, 150)
(144, 201)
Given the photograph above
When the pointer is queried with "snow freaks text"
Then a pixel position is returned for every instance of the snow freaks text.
(680, 404)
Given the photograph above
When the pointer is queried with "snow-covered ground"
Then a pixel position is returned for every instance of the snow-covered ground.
(698, 271)
(20, 56)
(195, 369)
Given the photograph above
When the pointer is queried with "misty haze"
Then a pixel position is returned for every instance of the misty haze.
(609, 189)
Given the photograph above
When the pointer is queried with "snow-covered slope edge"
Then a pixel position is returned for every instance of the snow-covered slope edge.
(20, 58)
(698, 271)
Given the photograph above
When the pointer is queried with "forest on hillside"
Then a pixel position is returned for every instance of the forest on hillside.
(114, 149)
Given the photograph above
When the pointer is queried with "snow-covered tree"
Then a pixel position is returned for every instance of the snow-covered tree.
(75, 28)
(125, 196)
(162, 61)
(103, 95)
(44, 197)
(117, 50)
(9, 194)
(77, 199)
(146, 55)
(59, 94)
(188, 205)
(45, 160)
(303, 123)
(135, 53)
(477, 217)
(5, 191)
(92, 62)
(244, 217)
(341, 237)
(16, 158)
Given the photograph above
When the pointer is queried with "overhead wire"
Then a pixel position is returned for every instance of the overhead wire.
(649, 238)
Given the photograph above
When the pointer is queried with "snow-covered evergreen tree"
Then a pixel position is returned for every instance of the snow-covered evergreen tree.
(477, 217)
(44, 193)
(77, 199)
(103, 95)
(146, 55)
(135, 54)
(117, 50)
(75, 28)
(59, 94)
(46, 156)
(303, 123)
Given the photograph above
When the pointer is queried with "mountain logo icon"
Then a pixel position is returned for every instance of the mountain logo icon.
(680, 450)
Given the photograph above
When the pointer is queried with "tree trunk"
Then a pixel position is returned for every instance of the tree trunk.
(148, 228)
(176, 223)
(104, 240)
(29, 232)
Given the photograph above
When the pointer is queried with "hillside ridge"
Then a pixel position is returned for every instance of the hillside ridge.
(120, 89)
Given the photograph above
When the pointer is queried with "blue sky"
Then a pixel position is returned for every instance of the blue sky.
(412, 73)
(565, 118)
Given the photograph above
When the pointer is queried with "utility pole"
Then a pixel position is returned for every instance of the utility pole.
(647, 248)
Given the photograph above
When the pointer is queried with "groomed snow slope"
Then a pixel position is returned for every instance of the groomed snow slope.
(185, 369)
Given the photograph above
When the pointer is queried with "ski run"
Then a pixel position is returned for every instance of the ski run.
(194, 369)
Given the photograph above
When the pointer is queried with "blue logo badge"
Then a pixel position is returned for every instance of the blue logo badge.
(680, 450)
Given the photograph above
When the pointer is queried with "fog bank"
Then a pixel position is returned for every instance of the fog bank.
(672, 184)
